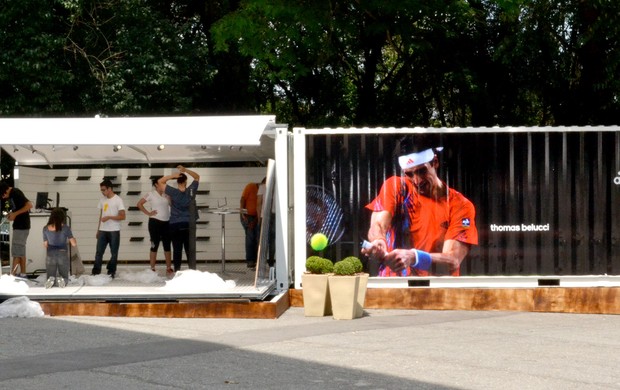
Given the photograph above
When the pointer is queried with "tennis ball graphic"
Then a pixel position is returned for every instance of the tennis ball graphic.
(319, 241)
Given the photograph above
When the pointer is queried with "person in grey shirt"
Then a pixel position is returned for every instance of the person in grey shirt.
(55, 236)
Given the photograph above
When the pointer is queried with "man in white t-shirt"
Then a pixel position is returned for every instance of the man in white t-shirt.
(111, 213)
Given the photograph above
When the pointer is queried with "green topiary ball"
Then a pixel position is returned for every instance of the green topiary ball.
(357, 263)
(344, 268)
(319, 265)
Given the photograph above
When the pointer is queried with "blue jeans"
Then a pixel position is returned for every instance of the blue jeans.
(57, 263)
(252, 233)
(105, 238)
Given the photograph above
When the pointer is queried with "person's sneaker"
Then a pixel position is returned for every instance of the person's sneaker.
(50, 282)
(61, 282)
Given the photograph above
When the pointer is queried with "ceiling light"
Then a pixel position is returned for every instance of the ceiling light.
(161, 147)
(116, 148)
(75, 147)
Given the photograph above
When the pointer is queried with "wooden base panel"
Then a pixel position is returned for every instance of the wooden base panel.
(184, 309)
(590, 300)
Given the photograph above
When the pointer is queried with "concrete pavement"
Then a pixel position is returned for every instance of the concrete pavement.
(386, 349)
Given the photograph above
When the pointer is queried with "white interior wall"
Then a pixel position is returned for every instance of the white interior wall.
(81, 198)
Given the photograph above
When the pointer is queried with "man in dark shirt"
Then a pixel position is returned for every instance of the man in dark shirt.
(19, 214)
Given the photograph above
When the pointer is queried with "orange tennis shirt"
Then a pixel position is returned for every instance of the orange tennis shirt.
(250, 194)
(423, 223)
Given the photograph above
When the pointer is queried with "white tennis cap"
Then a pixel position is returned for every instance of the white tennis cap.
(414, 159)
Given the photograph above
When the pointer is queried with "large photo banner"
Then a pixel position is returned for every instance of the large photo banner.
(527, 202)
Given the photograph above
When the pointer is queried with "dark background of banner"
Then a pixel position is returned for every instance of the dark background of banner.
(565, 179)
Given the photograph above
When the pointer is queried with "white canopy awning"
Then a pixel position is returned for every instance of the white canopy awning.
(63, 141)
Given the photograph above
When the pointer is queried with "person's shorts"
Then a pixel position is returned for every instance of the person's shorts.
(18, 242)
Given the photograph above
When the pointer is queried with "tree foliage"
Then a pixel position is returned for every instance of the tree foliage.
(414, 63)
(319, 63)
(33, 74)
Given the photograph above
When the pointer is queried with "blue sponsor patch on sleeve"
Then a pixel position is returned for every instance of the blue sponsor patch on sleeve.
(466, 223)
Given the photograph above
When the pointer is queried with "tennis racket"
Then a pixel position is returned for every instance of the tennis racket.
(323, 214)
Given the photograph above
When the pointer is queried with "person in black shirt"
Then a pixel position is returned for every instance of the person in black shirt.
(19, 214)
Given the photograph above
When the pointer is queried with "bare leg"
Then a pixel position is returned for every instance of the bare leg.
(153, 259)
(22, 264)
(15, 266)
(19, 261)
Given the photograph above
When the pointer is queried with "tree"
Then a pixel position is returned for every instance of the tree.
(142, 61)
(363, 63)
(320, 63)
(34, 76)
(413, 63)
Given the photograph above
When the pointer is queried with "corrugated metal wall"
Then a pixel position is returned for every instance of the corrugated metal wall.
(568, 180)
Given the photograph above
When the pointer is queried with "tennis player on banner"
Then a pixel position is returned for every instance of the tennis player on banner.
(418, 221)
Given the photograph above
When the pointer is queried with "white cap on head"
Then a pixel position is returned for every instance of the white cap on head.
(414, 159)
